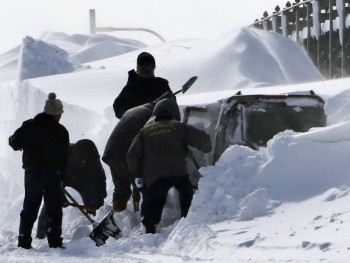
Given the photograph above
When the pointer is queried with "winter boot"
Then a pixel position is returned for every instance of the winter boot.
(119, 205)
(55, 242)
(150, 229)
(24, 242)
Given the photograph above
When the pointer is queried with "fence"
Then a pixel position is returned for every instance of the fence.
(321, 27)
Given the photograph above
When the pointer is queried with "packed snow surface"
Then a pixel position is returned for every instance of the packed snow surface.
(286, 202)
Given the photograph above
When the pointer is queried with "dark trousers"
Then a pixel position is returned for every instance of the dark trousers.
(154, 198)
(38, 185)
(121, 181)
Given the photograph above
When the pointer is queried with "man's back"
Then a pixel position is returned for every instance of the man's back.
(44, 142)
(163, 146)
(139, 91)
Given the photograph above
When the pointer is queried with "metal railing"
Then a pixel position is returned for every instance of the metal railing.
(94, 29)
(313, 24)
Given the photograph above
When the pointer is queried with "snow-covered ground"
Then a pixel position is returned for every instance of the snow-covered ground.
(287, 202)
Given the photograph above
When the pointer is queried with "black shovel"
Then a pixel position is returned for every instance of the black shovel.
(102, 230)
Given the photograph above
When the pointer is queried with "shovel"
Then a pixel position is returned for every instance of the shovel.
(101, 230)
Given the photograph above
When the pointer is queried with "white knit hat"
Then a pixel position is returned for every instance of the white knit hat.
(53, 106)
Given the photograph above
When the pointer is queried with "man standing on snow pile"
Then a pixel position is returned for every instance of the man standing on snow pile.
(142, 86)
(45, 145)
(157, 160)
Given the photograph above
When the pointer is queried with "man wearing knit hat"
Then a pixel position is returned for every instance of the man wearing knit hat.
(142, 86)
(45, 145)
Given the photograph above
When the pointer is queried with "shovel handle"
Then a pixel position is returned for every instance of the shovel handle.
(93, 222)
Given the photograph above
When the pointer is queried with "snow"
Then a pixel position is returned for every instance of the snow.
(315, 19)
(286, 202)
(236, 60)
(83, 48)
(40, 59)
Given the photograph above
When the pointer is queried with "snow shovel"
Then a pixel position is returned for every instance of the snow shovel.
(187, 85)
(102, 230)
(184, 88)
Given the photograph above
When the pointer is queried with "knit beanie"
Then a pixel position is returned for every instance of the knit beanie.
(53, 106)
(167, 108)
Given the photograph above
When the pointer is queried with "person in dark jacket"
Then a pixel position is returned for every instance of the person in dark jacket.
(115, 152)
(142, 86)
(45, 145)
(84, 174)
(157, 160)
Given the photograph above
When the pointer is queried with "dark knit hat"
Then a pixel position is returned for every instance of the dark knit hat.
(167, 108)
(146, 58)
(53, 106)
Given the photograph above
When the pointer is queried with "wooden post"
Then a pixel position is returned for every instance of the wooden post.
(308, 28)
(92, 22)
(297, 24)
(284, 22)
(341, 36)
(330, 47)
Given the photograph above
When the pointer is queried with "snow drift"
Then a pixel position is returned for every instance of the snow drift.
(237, 60)
(66, 51)
(235, 196)
(40, 59)
(253, 58)
(84, 48)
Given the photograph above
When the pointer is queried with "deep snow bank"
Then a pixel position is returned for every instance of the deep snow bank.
(253, 58)
(40, 59)
(87, 48)
(8, 64)
(237, 60)
(75, 49)
(335, 113)
(293, 167)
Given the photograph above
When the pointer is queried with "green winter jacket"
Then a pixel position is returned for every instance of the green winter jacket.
(160, 149)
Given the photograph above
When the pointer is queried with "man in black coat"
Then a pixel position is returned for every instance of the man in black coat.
(142, 86)
(45, 145)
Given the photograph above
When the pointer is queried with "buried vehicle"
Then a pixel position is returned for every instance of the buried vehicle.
(252, 120)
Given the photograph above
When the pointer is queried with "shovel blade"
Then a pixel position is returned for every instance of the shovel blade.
(189, 83)
(105, 229)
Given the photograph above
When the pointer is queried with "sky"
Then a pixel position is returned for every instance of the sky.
(72, 16)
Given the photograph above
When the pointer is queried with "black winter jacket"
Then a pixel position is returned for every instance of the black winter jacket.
(139, 91)
(45, 144)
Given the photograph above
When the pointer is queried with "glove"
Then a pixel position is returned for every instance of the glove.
(139, 183)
